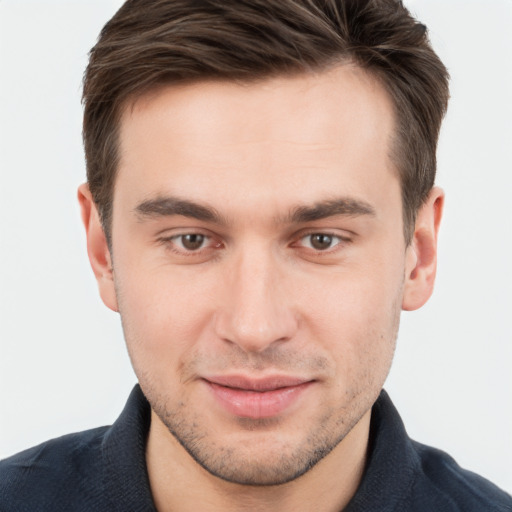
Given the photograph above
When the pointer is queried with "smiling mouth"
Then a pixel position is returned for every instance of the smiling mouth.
(257, 398)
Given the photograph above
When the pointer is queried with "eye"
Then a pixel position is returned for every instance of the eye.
(190, 241)
(320, 241)
(190, 246)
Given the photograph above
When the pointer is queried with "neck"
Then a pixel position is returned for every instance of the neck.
(179, 484)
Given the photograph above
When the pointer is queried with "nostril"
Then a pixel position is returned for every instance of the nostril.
(256, 335)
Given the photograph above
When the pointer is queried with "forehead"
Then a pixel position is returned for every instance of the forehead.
(258, 139)
(335, 96)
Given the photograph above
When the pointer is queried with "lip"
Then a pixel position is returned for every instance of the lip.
(256, 398)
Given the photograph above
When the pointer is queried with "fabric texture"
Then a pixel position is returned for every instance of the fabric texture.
(104, 470)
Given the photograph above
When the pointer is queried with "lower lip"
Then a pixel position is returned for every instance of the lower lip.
(256, 404)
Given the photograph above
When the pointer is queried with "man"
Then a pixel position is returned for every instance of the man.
(260, 206)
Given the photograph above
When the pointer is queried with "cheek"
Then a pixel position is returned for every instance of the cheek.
(355, 317)
(360, 298)
(163, 315)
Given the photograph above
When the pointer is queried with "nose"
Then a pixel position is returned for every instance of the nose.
(257, 311)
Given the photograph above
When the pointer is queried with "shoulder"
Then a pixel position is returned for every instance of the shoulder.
(52, 475)
(403, 475)
(444, 485)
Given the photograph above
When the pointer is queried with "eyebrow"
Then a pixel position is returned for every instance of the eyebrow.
(169, 206)
(345, 206)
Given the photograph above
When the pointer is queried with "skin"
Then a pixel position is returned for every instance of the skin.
(281, 283)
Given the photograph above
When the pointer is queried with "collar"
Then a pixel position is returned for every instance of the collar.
(125, 475)
(392, 462)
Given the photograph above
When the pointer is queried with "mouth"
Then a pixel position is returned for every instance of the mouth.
(257, 398)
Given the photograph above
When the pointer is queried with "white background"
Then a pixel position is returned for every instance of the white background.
(63, 365)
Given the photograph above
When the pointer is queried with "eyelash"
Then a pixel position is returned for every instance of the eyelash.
(170, 243)
(342, 240)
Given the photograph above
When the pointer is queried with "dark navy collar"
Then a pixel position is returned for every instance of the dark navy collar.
(392, 462)
(124, 451)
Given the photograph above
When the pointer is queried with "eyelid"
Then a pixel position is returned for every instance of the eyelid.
(216, 242)
(178, 240)
(168, 240)
(343, 240)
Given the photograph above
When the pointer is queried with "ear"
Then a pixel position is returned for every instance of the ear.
(97, 248)
(421, 257)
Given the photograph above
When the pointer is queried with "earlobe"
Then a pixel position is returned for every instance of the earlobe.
(97, 248)
(421, 257)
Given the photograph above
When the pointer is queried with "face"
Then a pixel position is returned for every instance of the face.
(259, 262)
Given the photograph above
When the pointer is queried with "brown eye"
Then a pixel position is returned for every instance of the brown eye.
(321, 241)
(192, 242)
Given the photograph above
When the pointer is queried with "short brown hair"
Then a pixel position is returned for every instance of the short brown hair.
(153, 42)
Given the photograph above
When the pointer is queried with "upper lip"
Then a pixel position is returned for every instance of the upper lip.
(268, 383)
